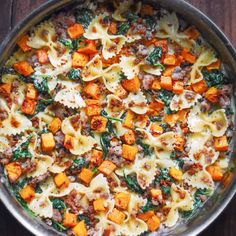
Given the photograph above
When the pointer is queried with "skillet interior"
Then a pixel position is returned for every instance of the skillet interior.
(215, 37)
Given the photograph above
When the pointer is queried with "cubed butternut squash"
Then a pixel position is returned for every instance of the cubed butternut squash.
(129, 152)
(129, 120)
(188, 56)
(80, 229)
(121, 92)
(212, 95)
(155, 193)
(31, 92)
(171, 119)
(75, 31)
(92, 90)
(178, 87)
(131, 85)
(96, 157)
(107, 167)
(14, 171)
(55, 125)
(86, 175)
(182, 114)
(170, 60)
(27, 193)
(89, 48)
(192, 32)
(146, 10)
(69, 220)
(156, 105)
(168, 71)
(23, 68)
(153, 223)
(221, 144)
(23, 43)
(214, 65)
(156, 85)
(61, 180)
(215, 172)
(146, 215)
(179, 142)
(200, 87)
(28, 106)
(122, 200)
(98, 205)
(47, 142)
(93, 107)
(116, 216)
(99, 123)
(156, 129)
(128, 137)
(176, 174)
(5, 89)
(166, 83)
(79, 60)
(112, 28)
(42, 56)
(69, 141)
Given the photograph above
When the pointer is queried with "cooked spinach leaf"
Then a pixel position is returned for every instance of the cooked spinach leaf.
(105, 143)
(131, 17)
(74, 74)
(165, 96)
(122, 76)
(42, 104)
(78, 163)
(154, 57)
(42, 86)
(22, 151)
(155, 118)
(56, 225)
(84, 16)
(105, 114)
(123, 28)
(58, 204)
(146, 148)
(150, 23)
(72, 44)
(149, 206)
(215, 78)
(85, 218)
(133, 184)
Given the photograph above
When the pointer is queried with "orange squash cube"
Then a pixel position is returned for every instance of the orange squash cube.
(75, 31)
(42, 56)
(156, 85)
(155, 193)
(98, 205)
(215, 65)
(221, 144)
(107, 167)
(168, 71)
(179, 143)
(131, 85)
(55, 125)
(129, 152)
(79, 60)
(89, 48)
(61, 180)
(156, 105)
(5, 89)
(215, 172)
(116, 216)
(212, 95)
(153, 223)
(93, 107)
(23, 68)
(121, 92)
(47, 142)
(28, 106)
(176, 174)
(69, 141)
(146, 215)
(86, 175)
(122, 200)
(129, 120)
(92, 90)
(188, 56)
(80, 229)
(192, 32)
(178, 87)
(171, 119)
(31, 92)
(69, 220)
(166, 83)
(200, 87)
(96, 157)
(112, 28)
(27, 193)
(156, 129)
(170, 60)
(23, 43)
(14, 171)
(128, 137)
(99, 123)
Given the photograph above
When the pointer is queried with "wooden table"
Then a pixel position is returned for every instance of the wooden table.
(223, 12)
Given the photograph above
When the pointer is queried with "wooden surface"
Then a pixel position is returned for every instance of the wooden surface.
(222, 12)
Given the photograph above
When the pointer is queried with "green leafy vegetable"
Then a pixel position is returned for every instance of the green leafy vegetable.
(164, 176)
(67, 42)
(122, 76)
(58, 204)
(105, 143)
(165, 96)
(78, 163)
(133, 184)
(155, 118)
(164, 126)
(42, 104)
(42, 86)
(72, 44)
(229, 111)
(85, 218)
(131, 17)
(215, 78)
(104, 113)
(84, 17)
(59, 227)
(123, 28)
(22, 151)
(154, 57)
(149, 206)
(146, 148)
(150, 23)
(74, 74)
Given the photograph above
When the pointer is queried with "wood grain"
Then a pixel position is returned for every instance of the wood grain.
(222, 12)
